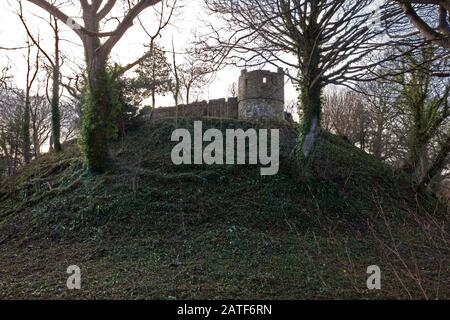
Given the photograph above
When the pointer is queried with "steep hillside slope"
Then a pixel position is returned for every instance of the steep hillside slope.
(150, 229)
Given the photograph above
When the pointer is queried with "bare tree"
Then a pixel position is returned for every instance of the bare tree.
(12, 115)
(194, 75)
(409, 108)
(70, 119)
(323, 42)
(5, 77)
(345, 114)
(55, 66)
(99, 109)
(177, 85)
(11, 136)
(385, 122)
(40, 120)
(426, 101)
(32, 72)
(233, 90)
(430, 18)
(164, 16)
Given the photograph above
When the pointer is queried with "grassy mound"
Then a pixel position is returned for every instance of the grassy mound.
(150, 229)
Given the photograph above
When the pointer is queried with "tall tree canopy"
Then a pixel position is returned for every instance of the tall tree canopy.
(98, 117)
(430, 17)
(324, 42)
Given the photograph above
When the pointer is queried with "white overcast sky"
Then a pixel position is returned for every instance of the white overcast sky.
(185, 24)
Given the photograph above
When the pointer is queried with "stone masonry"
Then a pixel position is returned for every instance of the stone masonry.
(260, 96)
(219, 108)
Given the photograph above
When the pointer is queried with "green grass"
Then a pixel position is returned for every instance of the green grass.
(149, 229)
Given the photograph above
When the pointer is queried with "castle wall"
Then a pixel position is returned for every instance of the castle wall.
(218, 108)
(261, 95)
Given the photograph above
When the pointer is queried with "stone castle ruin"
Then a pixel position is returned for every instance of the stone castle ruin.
(260, 96)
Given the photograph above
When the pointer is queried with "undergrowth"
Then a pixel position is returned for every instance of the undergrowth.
(220, 231)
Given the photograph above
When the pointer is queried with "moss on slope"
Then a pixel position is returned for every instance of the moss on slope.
(229, 231)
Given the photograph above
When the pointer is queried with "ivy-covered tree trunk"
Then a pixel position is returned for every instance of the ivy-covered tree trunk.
(101, 96)
(415, 96)
(98, 116)
(417, 159)
(56, 116)
(95, 122)
(438, 164)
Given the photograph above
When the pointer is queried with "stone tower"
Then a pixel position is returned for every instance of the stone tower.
(261, 94)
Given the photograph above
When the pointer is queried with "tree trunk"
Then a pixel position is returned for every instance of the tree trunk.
(311, 90)
(36, 144)
(50, 147)
(56, 117)
(188, 93)
(97, 112)
(153, 98)
(417, 152)
(154, 82)
(437, 166)
(311, 103)
(97, 124)
(378, 141)
(26, 129)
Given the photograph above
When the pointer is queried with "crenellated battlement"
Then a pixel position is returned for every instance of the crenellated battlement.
(260, 96)
(216, 108)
